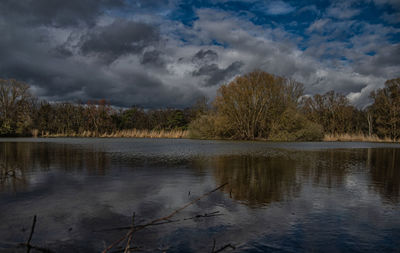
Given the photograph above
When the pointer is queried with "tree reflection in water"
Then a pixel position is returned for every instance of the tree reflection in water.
(298, 197)
(256, 179)
(384, 165)
(260, 180)
(18, 161)
(253, 179)
(14, 162)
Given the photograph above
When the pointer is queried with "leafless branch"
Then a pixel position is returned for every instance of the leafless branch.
(160, 220)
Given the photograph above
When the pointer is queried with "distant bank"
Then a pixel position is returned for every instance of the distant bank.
(185, 134)
(134, 133)
(254, 106)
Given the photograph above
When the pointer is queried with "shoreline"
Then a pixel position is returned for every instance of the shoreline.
(134, 133)
(184, 134)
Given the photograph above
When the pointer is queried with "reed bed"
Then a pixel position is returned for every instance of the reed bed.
(131, 133)
(179, 134)
(357, 137)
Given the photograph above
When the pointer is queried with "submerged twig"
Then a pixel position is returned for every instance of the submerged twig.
(138, 227)
(37, 248)
(206, 215)
(130, 249)
(128, 243)
(187, 205)
(213, 248)
(226, 246)
(28, 243)
(160, 220)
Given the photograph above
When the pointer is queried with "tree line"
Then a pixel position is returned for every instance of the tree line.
(257, 105)
(22, 114)
(260, 105)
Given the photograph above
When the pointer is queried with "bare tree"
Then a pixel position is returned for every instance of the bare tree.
(15, 107)
(332, 110)
(253, 102)
(386, 109)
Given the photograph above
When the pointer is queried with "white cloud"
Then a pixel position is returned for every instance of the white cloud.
(342, 11)
(311, 8)
(278, 8)
(318, 25)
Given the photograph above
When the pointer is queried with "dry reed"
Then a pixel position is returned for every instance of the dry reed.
(178, 134)
(357, 137)
(35, 133)
(131, 133)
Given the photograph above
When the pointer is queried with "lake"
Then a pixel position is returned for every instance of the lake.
(279, 197)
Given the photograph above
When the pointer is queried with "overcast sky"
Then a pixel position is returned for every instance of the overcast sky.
(156, 53)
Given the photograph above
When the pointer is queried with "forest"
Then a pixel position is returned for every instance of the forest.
(254, 106)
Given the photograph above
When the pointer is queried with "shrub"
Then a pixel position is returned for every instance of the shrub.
(209, 126)
(293, 126)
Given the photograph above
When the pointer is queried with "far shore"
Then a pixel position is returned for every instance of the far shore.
(185, 134)
(132, 133)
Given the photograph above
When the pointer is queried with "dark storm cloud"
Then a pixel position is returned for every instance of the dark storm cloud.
(382, 62)
(205, 56)
(56, 13)
(216, 75)
(148, 91)
(23, 56)
(59, 74)
(119, 38)
(61, 52)
(152, 58)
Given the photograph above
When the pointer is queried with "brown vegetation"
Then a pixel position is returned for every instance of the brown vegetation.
(334, 113)
(15, 107)
(263, 106)
(131, 133)
(386, 109)
(255, 106)
(253, 103)
(357, 137)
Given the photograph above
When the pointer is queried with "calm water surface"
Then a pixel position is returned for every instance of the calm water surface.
(280, 197)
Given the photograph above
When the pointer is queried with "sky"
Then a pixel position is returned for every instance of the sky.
(170, 53)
